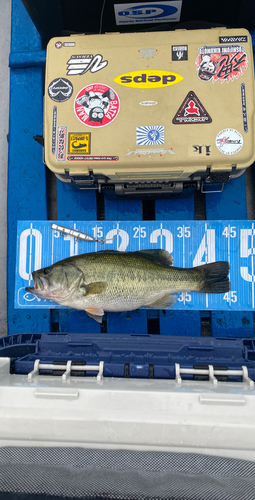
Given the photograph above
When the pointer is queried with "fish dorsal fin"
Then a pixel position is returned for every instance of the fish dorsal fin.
(164, 302)
(93, 288)
(162, 257)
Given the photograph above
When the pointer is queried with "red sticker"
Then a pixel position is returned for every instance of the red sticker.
(191, 111)
(96, 105)
(224, 63)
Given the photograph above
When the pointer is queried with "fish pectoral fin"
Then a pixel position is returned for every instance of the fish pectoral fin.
(94, 288)
(164, 302)
(96, 313)
(162, 257)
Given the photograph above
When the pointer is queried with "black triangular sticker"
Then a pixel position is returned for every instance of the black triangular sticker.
(191, 111)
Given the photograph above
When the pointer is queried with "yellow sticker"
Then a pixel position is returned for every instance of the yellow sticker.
(148, 79)
(79, 143)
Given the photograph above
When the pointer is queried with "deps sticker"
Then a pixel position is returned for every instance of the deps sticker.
(150, 136)
(60, 90)
(96, 105)
(229, 141)
(220, 62)
(191, 111)
(148, 79)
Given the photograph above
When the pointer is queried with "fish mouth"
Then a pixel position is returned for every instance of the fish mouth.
(40, 284)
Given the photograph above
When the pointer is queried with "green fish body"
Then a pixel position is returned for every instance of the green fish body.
(124, 281)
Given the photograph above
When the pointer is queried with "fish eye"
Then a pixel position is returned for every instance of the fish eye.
(46, 270)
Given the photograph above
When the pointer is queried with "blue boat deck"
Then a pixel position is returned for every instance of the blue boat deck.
(35, 194)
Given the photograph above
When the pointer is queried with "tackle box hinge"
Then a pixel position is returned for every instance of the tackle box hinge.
(68, 367)
(212, 372)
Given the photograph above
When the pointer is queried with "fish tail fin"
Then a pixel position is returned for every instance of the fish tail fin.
(215, 277)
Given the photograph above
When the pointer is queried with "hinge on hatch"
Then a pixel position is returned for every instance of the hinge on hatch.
(68, 368)
(212, 372)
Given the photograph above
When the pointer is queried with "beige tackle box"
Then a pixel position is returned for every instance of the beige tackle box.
(149, 113)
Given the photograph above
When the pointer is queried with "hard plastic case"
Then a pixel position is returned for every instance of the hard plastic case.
(150, 112)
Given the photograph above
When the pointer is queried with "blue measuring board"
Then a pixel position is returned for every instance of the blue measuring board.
(191, 244)
(27, 201)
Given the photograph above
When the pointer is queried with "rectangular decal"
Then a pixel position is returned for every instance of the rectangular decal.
(149, 136)
(149, 151)
(233, 39)
(54, 130)
(61, 143)
(179, 52)
(79, 142)
(79, 64)
(60, 44)
(92, 158)
(221, 62)
(244, 108)
(148, 12)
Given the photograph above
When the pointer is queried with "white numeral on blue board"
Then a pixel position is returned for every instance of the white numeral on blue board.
(139, 231)
(247, 249)
(206, 249)
(27, 239)
(98, 232)
(230, 296)
(229, 231)
(158, 234)
(183, 232)
(122, 238)
(184, 297)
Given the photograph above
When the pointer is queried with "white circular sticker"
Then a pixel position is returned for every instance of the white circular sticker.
(229, 141)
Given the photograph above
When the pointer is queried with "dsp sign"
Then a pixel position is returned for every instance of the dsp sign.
(148, 79)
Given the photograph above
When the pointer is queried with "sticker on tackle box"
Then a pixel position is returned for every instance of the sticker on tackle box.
(220, 62)
(96, 105)
(79, 143)
(191, 244)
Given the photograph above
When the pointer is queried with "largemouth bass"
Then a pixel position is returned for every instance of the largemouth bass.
(123, 281)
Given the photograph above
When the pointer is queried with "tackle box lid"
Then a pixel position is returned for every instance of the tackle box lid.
(161, 105)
